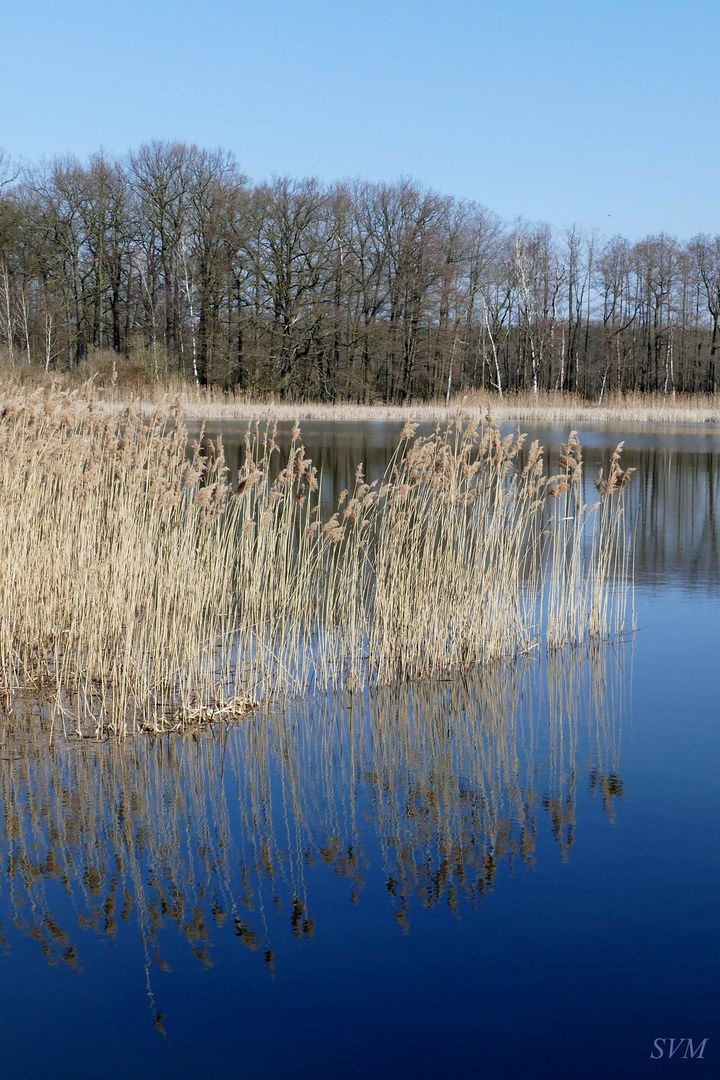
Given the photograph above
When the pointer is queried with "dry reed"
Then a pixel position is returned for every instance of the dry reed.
(141, 592)
(565, 408)
(139, 388)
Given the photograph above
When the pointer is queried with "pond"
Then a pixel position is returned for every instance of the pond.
(511, 874)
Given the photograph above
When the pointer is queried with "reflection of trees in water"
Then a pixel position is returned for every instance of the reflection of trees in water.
(440, 783)
(677, 523)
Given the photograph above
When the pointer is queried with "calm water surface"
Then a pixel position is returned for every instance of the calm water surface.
(510, 875)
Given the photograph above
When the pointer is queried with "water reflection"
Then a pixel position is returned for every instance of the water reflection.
(431, 787)
(676, 504)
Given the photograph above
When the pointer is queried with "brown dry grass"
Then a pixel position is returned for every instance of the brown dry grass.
(569, 409)
(121, 382)
(141, 592)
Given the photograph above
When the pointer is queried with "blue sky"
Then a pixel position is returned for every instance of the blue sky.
(599, 114)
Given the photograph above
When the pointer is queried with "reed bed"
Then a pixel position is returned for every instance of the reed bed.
(566, 408)
(141, 592)
(140, 389)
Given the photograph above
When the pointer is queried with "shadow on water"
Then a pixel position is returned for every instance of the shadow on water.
(428, 789)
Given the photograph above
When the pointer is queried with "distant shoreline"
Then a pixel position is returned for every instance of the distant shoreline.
(570, 413)
(216, 405)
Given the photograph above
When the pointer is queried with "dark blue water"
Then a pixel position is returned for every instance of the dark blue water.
(512, 875)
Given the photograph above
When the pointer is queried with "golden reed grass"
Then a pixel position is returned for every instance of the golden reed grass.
(546, 407)
(140, 591)
(120, 384)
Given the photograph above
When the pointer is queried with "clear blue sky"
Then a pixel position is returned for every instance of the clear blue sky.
(564, 111)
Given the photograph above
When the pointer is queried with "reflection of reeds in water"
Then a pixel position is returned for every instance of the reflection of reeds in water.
(434, 786)
(94, 821)
(139, 590)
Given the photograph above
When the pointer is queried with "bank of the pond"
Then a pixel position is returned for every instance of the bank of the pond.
(547, 410)
(215, 403)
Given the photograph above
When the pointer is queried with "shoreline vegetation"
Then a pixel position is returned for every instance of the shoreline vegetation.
(565, 408)
(122, 386)
(142, 593)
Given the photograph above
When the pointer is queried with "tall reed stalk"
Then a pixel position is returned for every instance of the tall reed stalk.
(140, 591)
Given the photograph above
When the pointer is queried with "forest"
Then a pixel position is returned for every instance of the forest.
(171, 260)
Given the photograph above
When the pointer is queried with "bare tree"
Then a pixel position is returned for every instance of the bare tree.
(704, 251)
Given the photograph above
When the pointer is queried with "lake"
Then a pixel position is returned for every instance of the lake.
(512, 874)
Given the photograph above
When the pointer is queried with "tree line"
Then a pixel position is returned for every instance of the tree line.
(345, 291)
